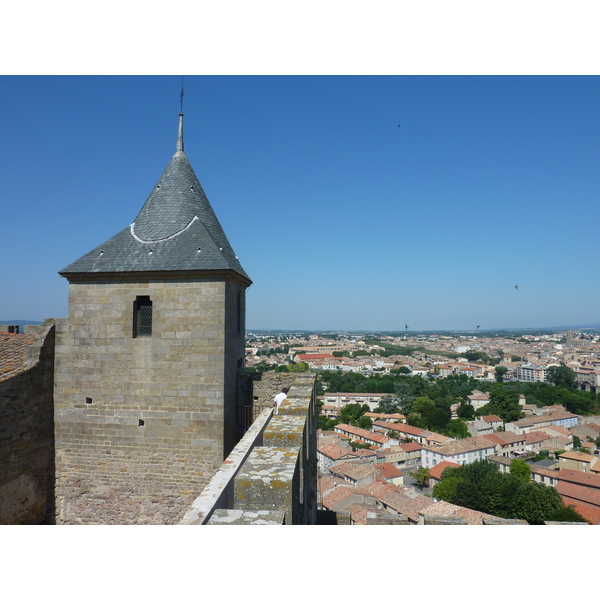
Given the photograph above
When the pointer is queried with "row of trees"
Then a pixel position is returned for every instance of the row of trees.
(426, 403)
(262, 367)
(481, 486)
(352, 414)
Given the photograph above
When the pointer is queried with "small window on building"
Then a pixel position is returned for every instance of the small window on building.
(142, 317)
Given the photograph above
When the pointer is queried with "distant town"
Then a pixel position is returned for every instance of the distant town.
(465, 428)
(524, 356)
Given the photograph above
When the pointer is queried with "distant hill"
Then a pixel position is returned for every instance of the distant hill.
(21, 323)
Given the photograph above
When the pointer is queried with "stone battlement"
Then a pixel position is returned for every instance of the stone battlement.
(271, 475)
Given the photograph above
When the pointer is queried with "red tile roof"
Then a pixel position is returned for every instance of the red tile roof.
(579, 477)
(587, 512)
(491, 419)
(388, 470)
(437, 470)
(411, 447)
(13, 352)
(406, 505)
(579, 493)
(445, 509)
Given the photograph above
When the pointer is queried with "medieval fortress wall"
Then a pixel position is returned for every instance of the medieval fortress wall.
(142, 422)
(27, 434)
(140, 400)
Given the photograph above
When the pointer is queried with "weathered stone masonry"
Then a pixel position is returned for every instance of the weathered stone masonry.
(143, 423)
(150, 363)
(26, 436)
(271, 476)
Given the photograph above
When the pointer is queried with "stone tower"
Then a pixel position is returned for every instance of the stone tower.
(150, 361)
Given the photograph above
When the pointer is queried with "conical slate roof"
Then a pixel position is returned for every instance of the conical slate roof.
(176, 230)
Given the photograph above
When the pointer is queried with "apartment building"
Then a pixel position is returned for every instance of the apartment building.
(461, 452)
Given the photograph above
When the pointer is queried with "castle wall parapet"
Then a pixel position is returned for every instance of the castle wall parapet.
(272, 471)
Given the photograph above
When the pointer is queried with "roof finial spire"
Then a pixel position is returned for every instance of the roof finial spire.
(180, 135)
(181, 96)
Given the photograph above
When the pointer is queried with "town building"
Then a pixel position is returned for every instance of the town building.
(461, 452)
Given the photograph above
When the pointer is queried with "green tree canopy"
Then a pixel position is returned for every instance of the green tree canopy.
(500, 372)
(467, 494)
(498, 490)
(465, 411)
(421, 476)
(445, 488)
(504, 402)
(521, 469)
(535, 503)
(563, 376)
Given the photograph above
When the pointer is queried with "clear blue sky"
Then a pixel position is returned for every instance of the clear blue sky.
(353, 202)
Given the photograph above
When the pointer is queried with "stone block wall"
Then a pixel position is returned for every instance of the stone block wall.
(271, 476)
(269, 384)
(26, 437)
(282, 473)
(142, 423)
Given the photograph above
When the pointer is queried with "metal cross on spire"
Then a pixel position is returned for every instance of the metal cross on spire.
(181, 96)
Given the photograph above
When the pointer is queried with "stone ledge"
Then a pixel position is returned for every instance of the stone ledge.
(215, 492)
(284, 431)
(247, 517)
(266, 480)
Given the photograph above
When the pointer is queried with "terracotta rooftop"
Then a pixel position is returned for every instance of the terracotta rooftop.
(491, 419)
(405, 505)
(352, 431)
(13, 352)
(411, 447)
(445, 509)
(359, 513)
(579, 477)
(462, 446)
(579, 493)
(401, 427)
(353, 470)
(580, 456)
(504, 437)
(534, 437)
(338, 494)
(378, 489)
(587, 512)
(334, 451)
(437, 470)
(388, 470)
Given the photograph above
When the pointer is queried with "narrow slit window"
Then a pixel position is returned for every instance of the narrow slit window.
(142, 317)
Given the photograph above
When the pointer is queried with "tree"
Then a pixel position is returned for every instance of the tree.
(388, 405)
(421, 475)
(563, 376)
(465, 411)
(500, 372)
(504, 402)
(364, 422)
(445, 488)
(521, 469)
(576, 442)
(567, 514)
(498, 490)
(536, 503)
(467, 494)
(351, 414)
(421, 411)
